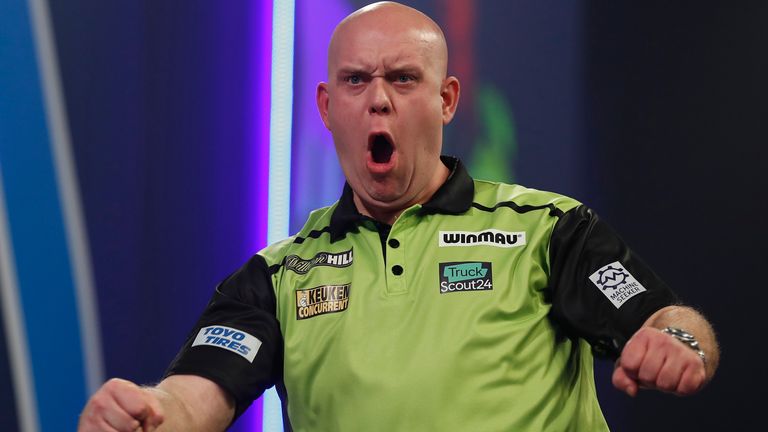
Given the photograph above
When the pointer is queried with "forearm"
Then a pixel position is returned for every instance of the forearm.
(693, 322)
(188, 408)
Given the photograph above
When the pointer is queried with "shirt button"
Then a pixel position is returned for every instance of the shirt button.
(397, 270)
(393, 243)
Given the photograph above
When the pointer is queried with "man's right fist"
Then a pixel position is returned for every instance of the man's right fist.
(121, 405)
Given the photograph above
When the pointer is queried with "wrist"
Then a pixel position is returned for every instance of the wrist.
(688, 340)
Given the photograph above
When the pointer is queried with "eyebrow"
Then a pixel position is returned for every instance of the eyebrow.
(363, 70)
(352, 70)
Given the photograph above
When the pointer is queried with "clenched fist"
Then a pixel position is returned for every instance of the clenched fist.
(121, 405)
(653, 359)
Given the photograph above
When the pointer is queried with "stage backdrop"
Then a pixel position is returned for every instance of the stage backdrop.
(134, 145)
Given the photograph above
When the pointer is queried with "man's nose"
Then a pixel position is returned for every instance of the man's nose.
(380, 100)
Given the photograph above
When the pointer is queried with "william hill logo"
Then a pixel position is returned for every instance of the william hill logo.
(299, 265)
(321, 300)
(489, 237)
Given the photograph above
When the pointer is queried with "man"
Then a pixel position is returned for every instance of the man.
(423, 299)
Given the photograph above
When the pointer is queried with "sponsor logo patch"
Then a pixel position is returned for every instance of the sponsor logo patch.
(489, 237)
(299, 265)
(230, 339)
(616, 283)
(465, 276)
(321, 300)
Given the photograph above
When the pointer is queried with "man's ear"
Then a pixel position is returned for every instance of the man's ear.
(322, 103)
(450, 96)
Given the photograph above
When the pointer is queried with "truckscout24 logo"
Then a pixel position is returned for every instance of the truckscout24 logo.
(299, 265)
(465, 276)
(321, 300)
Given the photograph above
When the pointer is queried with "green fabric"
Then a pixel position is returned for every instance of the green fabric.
(400, 355)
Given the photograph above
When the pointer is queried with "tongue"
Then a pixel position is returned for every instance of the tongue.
(381, 150)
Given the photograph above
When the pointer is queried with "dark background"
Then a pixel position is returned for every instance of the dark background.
(653, 113)
(676, 116)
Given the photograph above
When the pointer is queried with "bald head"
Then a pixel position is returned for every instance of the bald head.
(386, 102)
(388, 20)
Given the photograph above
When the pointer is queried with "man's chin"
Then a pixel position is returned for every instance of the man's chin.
(383, 197)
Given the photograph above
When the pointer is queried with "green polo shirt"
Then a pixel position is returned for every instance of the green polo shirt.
(474, 311)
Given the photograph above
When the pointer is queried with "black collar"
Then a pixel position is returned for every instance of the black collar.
(453, 197)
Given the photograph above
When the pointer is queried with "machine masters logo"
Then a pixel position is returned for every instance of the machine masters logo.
(616, 283)
(465, 276)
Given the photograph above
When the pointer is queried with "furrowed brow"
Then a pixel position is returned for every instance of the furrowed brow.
(408, 70)
(347, 71)
(404, 67)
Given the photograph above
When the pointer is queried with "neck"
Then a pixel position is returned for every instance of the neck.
(389, 214)
(381, 215)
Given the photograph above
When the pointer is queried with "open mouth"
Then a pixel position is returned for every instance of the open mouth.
(381, 148)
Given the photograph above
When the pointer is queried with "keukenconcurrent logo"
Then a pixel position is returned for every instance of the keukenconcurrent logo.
(321, 300)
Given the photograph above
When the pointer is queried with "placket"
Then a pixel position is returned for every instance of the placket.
(397, 269)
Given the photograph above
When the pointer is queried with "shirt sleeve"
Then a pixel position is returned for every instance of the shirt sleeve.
(237, 341)
(600, 289)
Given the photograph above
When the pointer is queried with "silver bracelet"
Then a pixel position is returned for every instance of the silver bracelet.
(688, 339)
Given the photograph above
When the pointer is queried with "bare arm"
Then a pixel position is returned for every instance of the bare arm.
(179, 402)
(652, 359)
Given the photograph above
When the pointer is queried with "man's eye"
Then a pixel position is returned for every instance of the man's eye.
(405, 78)
(354, 79)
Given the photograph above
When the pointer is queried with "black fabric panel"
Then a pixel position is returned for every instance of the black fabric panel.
(244, 301)
(274, 268)
(553, 211)
(312, 234)
(581, 244)
(456, 193)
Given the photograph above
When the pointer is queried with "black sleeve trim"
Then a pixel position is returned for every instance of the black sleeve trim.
(274, 268)
(553, 211)
(581, 244)
(245, 301)
(314, 234)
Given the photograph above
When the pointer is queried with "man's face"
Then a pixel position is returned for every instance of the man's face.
(385, 104)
